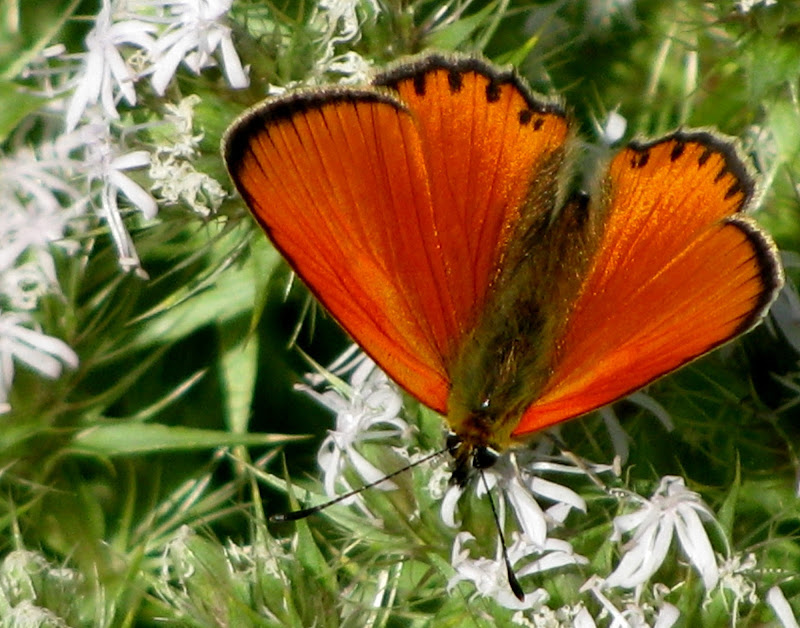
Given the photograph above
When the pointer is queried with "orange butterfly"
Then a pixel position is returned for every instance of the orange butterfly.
(429, 213)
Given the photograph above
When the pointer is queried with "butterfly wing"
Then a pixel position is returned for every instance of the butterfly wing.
(490, 147)
(678, 271)
(336, 180)
(393, 203)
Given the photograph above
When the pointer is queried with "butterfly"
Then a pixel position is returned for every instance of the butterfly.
(431, 213)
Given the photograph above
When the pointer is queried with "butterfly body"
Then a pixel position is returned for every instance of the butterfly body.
(431, 214)
(506, 359)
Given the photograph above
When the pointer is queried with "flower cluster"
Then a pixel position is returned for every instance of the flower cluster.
(644, 534)
(366, 410)
(130, 42)
(157, 38)
(84, 165)
(94, 164)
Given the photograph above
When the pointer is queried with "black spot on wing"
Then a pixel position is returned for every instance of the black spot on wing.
(712, 143)
(456, 67)
(733, 190)
(455, 80)
(492, 92)
(419, 84)
(677, 151)
(640, 158)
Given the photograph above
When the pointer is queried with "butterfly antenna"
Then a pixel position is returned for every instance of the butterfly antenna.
(295, 515)
(512, 577)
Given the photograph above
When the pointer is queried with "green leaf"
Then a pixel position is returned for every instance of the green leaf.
(238, 368)
(231, 295)
(136, 438)
(726, 514)
(17, 104)
(454, 35)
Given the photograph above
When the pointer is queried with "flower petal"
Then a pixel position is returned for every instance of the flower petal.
(135, 194)
(237, 77)
(697, 546)
(780, 606)
(668, 616)
(557, 492)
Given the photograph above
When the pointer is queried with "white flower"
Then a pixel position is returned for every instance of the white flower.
(340, 20)
(552, 554)
(104, 164)
(371, 401)
(673, 509)
(490, 576)
(780, 606)
(745, 6)
(517, 484)
(105, 75)
(583, 619)
(182, 142)
(171, 170)
(662, 614)
(576, 616)
(20, 343)
(40, 203)
(27, 613)
(354, 68)
(176, 181)
(439, 482)
(23, 285)
(32, 226)
(613, 128)
(33, 186)
(194, 34)
(19, 572)
(177, 561)
(733, 580)
(36, 175)
(256, 558)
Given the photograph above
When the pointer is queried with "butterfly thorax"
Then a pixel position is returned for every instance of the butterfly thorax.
(485, 406)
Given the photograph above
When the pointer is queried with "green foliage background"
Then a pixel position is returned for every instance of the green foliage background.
(130, 496)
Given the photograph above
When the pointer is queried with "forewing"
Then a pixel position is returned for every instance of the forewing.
(486, 142)
(338, 182)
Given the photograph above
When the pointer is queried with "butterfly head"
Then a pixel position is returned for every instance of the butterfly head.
(469, 457)
(479, 436)
(481, 416)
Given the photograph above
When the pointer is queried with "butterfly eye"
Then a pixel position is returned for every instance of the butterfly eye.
(484, 457)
